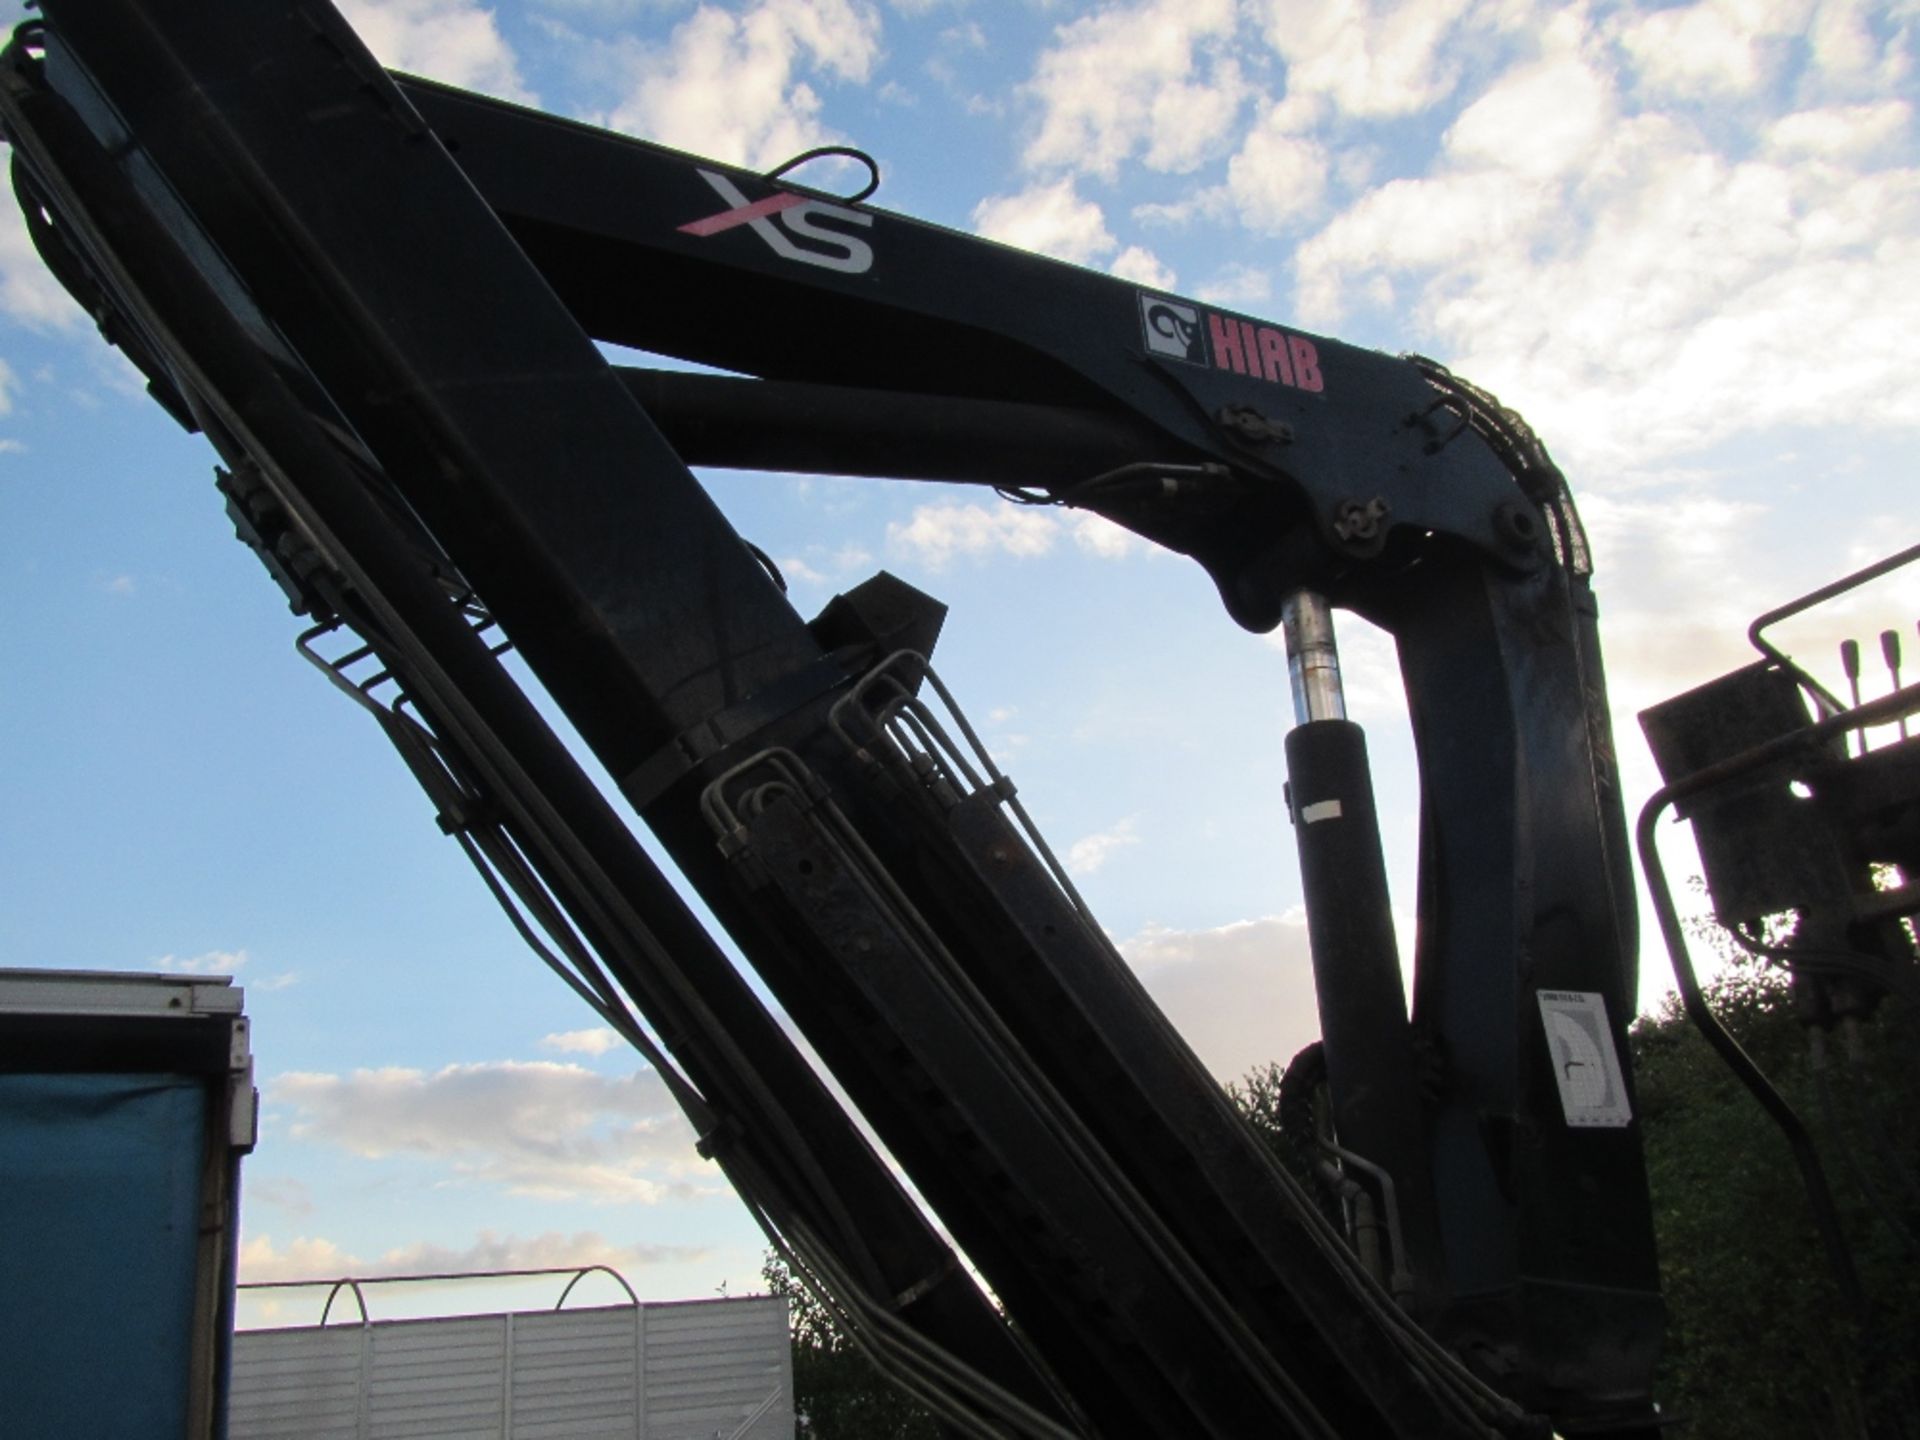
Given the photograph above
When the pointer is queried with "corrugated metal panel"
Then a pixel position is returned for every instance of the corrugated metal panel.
(438, 1380)
(712, 1370)
(577, 1372)
(297, 1384)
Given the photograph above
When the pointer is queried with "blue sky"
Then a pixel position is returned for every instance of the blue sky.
(1683, 240)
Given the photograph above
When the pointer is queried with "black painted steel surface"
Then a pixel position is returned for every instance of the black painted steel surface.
(379, 299)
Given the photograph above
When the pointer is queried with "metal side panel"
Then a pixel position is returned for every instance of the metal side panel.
(712, 1368)
(689, 1371)
(577, 1372)
(439, 1378)
(296, 1385)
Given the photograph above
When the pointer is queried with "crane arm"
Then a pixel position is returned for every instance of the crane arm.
(378, 298)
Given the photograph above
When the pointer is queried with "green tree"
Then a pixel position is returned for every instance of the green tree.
(837, 1392)
(1759, 1343)
(1256, 1095)
(1759, 1346)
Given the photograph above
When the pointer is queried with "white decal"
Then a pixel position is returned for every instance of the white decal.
(1586, 1065)
(829, 248)
(1172, 329)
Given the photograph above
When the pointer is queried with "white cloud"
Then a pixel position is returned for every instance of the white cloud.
(28, 292)
(1209, 202)
(1539, 121)
(548, 1250)
(1090, 852)
(968, 36)
(798, 571)
(596, 1041)
(452, 40)
(1143, 267)
(820, 565)
(1369, 58)
(1050, 219)
(1848, 57)
(305, 1257)
(317, 1258)
(730, 85)
(1279, 175)
(1237, 284)
(1712, 49)
(212, 962)
(1098, 535)
(1841, 131)
(1154, 78)
(535, 1128)
(113, 369)
(1676, 596)
(1588, 265)
(936, 534)
(1437, 222)
(1241, 994)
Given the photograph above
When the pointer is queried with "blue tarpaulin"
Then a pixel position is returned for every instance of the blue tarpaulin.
(99, 1217)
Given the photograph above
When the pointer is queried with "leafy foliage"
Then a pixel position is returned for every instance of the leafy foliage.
(1261, 1097)
(838, 1395)
(1256, 1095)
(1759, 1343)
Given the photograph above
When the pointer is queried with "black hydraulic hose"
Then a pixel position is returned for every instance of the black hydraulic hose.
(1819, 1195)
(1825, 1218)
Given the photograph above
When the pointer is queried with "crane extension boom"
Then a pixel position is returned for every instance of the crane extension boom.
(377, 297)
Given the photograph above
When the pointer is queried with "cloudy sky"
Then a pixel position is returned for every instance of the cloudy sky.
(1684, 240)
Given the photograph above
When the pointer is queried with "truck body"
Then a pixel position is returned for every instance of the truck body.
(126, 1102)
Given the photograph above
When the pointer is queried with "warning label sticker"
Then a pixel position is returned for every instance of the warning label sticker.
(1585, 1063)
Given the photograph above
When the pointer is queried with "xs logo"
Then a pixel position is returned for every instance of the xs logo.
(827, 247)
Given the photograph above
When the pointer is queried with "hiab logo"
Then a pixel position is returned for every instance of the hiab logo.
(827, 247)
(1172, 329)
(1222, 342)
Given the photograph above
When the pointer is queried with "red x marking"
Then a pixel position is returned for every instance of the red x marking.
(740, 215)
